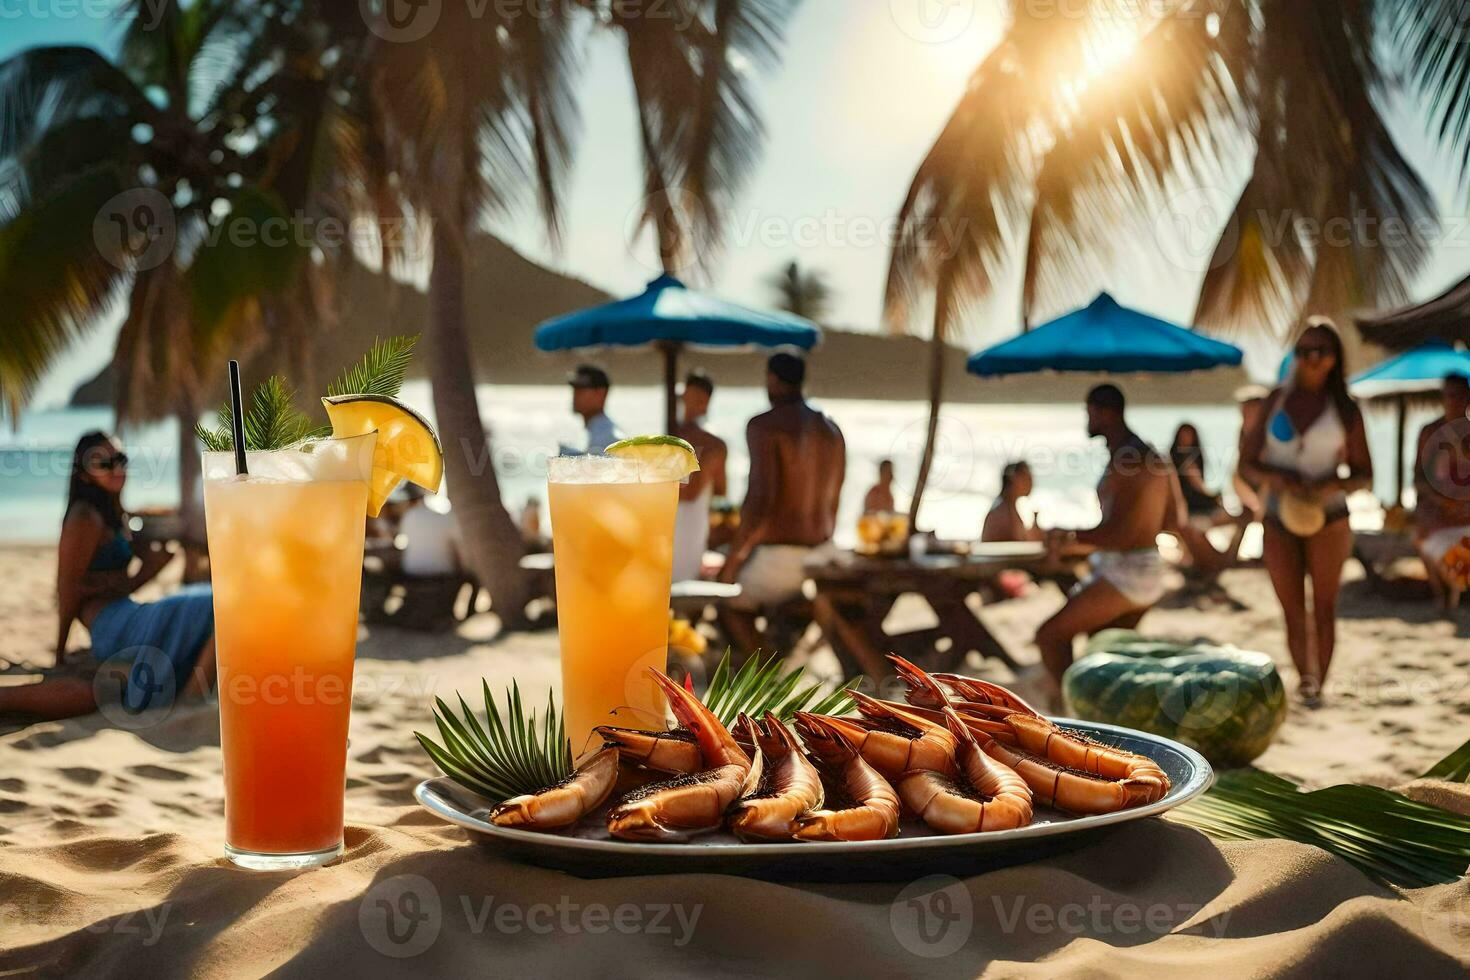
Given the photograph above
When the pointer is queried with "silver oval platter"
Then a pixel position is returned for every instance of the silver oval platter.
(589, 851)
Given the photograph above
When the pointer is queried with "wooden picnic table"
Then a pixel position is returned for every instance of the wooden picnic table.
(856, 593)
(688, 599)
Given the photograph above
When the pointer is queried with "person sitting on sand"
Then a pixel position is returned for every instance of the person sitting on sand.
(879, 498)
(1203, 507)
(691, 521)
(1004, 522)
(1442, 514)
(1296, 451)
(1139, 501)
(798, 459)
(173, 637)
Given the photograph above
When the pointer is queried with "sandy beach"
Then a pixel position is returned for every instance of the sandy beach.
(102, 827)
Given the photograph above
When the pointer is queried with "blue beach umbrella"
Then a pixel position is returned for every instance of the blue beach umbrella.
(1420, 370)
(1415, 372)
(669, 316)
(1105, 336)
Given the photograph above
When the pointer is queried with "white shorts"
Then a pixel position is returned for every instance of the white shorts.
(775, 573)
(1438, 544)
(1141, 576)
(691, 537)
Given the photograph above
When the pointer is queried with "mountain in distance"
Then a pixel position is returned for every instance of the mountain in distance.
(508, 295)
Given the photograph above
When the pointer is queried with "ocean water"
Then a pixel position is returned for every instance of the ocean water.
(527, 424)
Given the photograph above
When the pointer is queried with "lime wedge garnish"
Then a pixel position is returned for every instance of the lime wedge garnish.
(668, 457)
(407, 447)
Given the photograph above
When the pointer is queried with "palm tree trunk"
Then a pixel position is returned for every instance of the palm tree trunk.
(186, 410)
(490, 539)
(944, 296)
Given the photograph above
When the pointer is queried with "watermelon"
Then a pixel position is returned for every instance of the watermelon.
(1223, 702)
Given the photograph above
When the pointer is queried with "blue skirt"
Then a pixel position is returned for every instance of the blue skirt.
(162, 639)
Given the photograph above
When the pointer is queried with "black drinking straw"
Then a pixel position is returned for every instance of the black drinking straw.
(237, 418)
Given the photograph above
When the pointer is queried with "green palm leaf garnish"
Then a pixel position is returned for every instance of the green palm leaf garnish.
(273, 422)
(1388, 837)
(381, 370)
(511, 754)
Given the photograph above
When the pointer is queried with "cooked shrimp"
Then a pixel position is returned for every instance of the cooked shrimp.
(874, 810)
(789, 788)
(894, 739)
(673, 751)
(566, 802)
(987, 796)
(692, 803)
(1064, 768)
(1072, 772)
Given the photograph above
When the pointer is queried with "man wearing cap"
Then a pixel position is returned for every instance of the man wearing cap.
(691, 525)
(797, 462)
(589, 400)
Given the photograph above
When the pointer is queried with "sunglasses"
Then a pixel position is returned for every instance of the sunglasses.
(1313, 350)
(117, 461)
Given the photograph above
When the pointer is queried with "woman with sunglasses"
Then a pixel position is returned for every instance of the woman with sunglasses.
(167, 646)
(1297, 450)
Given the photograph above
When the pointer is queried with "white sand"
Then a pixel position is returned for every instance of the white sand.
(96, 821)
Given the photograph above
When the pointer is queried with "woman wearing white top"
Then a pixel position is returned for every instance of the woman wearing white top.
(1296, 451)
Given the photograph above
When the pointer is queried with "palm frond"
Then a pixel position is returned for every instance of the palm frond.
(43, 87)
(726, 132)
(506, 756)
(1386, 836)
(1167, 113)
(253, 251)
(1454, 767)
(1432, 39)
(762, 685)
(969, 194)
(272, 421)
(55, 279)
(510, 753)
(381, 370)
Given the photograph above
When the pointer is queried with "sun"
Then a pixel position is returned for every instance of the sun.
(1111, 46)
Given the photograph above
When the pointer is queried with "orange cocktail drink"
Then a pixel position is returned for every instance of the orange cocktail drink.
(285, 550)
(613, 537)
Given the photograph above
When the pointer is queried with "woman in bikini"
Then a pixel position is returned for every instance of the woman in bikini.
(1296, 452)
(166, 647)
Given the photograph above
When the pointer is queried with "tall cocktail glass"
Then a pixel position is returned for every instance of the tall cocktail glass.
(613, 536)
(285, 553)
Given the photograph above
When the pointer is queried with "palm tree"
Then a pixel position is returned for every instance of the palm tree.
(121, 183)
(803, 293)
(1073, 126)
(483, 106)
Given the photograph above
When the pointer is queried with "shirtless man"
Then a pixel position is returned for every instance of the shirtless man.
(691, 525)
(797, 462)
(1140, 498)
(1442, 514)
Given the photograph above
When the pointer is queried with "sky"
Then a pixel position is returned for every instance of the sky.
(864, 87)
